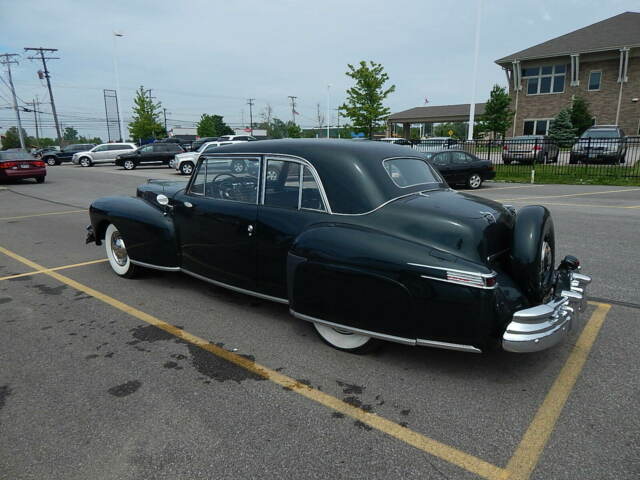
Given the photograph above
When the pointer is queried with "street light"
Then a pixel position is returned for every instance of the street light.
(115, 68)
(328, 117)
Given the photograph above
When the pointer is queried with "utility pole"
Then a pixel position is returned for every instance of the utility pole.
(44, 59)
(337, 110)
(293, 108)
(164, 112)
(250, 103)
(7, 59)
(35, 118)
(328, 110)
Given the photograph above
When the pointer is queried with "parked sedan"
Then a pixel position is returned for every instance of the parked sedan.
(53, 157)
(461, 168)
(151, 153)
(600, 144)
(19, 164)
(528, 149)
(105, 153)
(364, 240)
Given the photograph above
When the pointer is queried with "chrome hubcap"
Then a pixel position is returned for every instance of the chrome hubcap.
(118, 249)
(238, 167)
(128, 164)
(187, 168)
(474, 181)
(545, 263)
(272, 175)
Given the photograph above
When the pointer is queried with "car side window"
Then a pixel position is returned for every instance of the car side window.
(101, 148)
(441, 160)
(311, 197)
(233, 179)
(146, 149)
(157, 147)
(210, 149)
(460, 158)
(282, 184)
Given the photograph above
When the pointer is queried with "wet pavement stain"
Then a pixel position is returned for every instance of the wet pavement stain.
(337, 415)
(178, 356)
(5, 300)
(93, 355)
(5, 391)
(362, 425)
(349, 389)
(149, 333)
(404, 424)
(405, 412)
(18, 279)
(108, 355)
(46, 328)
(354, 401)
(172, 365)
(304, 381)
(50, 290)
(125, 389)
(218, 369)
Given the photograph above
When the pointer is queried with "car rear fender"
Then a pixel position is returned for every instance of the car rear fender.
(148, 232)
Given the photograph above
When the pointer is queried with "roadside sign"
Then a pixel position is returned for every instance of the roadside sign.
(450, 132)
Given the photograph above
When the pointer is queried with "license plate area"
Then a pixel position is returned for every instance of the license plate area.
(25, 165)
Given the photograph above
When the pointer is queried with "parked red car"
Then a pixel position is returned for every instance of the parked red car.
(21, 164)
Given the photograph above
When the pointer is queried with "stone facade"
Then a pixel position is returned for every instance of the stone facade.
(603, 103)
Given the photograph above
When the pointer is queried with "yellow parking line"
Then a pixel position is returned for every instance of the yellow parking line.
(415, 439)
(42, 214)
(566, 195)
(490, 189)
(580, 205)
(526, 456)
(64, 267)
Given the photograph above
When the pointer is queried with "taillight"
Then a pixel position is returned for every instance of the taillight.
(537, 148)
(506, 147)
(39, 164)
(8, 164)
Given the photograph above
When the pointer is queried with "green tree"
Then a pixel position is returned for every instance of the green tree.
(497, 112)
(364, 105)
(11, 138)
(459, 130)
(146, 118)
(213, 126)
(293, 130)
(581, 118)
(561, 129)
(70, 135)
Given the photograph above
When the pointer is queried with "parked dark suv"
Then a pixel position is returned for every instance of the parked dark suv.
(600, 144)
(150, 153)
(53, 157)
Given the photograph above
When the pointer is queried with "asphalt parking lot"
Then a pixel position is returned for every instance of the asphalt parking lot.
(168, 377)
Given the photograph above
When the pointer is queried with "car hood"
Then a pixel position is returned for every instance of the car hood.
(463, 225)
(153, 188)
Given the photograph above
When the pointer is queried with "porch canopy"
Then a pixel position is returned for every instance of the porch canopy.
(435, 114)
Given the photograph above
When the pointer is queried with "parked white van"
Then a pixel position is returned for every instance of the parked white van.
(104, 153)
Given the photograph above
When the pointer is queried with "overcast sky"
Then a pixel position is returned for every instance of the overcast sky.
(209, 56)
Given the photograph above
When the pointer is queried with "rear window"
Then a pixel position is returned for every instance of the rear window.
(16, 156)
(407, 172)
(601, 134)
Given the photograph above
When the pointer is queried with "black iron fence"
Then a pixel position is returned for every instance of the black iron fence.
(581, 158)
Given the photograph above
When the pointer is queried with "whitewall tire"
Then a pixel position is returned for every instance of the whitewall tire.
(344, 340)
(117, 253)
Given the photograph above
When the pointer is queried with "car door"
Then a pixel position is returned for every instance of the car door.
(442, 161)
(99, 153)
(462, 165)
(216, 219)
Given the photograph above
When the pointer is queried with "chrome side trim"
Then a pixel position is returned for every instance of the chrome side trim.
(448, 346)
(446, 280)
(381, 336)
(484, 275)
(155, 267)
(379, 206)
(236, 289)
(391, 338)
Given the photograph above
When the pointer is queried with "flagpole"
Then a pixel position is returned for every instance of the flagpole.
(472, 106)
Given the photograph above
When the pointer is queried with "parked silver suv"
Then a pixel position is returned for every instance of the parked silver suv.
(600, 144)
(104, 153)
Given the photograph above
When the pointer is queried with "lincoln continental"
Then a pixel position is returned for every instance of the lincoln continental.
(364, 240)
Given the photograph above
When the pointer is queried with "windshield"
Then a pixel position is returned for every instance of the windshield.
(601, 134)
(408, 172)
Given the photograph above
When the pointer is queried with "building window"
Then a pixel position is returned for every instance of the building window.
(595, 78)
(545, 79)
(536, 127)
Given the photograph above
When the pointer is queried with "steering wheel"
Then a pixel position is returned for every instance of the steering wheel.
(222, 175)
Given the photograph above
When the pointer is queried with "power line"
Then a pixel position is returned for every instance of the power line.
(46, 75)
(7, 59)
(250, 103)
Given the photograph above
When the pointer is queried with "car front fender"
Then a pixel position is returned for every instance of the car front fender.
(148, 231)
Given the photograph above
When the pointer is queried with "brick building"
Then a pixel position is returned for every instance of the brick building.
(600, 63)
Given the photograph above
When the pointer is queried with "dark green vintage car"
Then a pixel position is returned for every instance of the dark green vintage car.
(363, 239)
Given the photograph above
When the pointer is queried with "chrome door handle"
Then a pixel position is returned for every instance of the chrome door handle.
(188, 204)
(250, 230)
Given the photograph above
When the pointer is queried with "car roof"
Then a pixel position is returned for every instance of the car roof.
(352, 173)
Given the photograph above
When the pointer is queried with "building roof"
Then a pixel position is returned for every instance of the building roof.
(439, 113)
(613, 33)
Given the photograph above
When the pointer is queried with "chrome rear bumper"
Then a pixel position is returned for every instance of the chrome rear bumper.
(543, 326)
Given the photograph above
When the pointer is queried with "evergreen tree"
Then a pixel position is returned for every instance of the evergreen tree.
(364, 105)
(581, 118)
(11, 139)
(561, 129)
(497, 114)
(146, 118)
